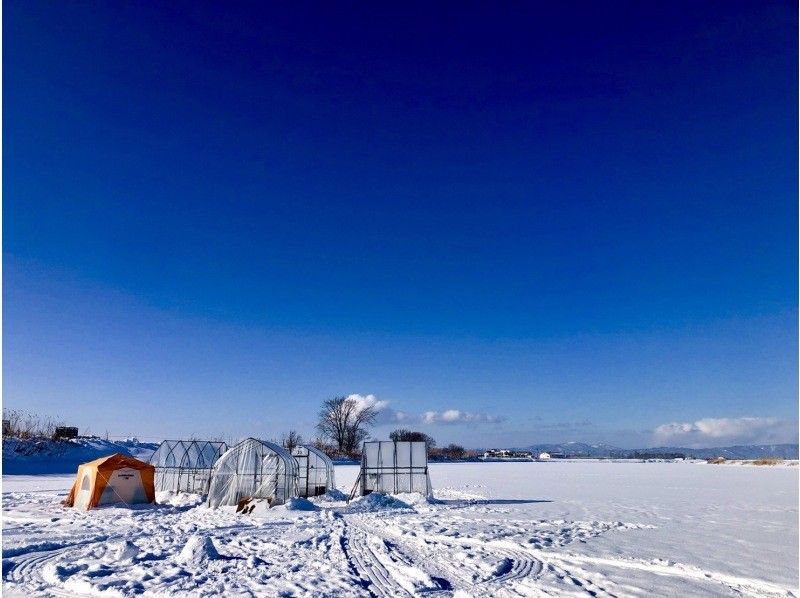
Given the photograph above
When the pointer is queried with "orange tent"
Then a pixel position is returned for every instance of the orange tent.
(112, 480)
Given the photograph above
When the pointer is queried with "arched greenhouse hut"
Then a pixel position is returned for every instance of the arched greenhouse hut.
(253, 469)
(314, 471)
(185, 465)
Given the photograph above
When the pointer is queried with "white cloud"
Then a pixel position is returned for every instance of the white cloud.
(456, 416)
(726, 431)
(387, 415)
(364, 401)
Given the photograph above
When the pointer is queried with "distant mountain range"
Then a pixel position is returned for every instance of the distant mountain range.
(751, 451)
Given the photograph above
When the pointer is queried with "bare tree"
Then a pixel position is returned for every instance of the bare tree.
(291, 439)
(345, 422)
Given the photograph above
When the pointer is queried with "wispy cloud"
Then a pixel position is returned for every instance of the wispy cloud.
(456, 416)
(726, 430)
(386, 414)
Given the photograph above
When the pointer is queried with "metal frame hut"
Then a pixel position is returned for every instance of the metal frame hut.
(185, 465)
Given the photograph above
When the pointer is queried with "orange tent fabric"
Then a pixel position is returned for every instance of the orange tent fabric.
(100, 475)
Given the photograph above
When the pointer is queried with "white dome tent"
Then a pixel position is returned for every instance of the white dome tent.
(253, 469)
(185, 465)
(315, 472)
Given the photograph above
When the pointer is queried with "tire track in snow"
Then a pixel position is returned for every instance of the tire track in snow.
(520, 571)
(516, 573)
(365, 563)
(27, 569)
(527, 567)
(410, 564)
(516, 566)
(739, 585)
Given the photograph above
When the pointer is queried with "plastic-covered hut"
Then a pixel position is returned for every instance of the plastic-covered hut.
(253, 469)
(185, 465)
(392, 467)
(315, 474)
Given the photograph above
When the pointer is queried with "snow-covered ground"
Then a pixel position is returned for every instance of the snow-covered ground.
(530, 529)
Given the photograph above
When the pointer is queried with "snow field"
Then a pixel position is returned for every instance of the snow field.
(493, 529)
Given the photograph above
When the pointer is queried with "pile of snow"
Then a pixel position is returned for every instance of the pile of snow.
(378, 502)
(37, 456)
(178, 499)
(126, 551)
(300, 504)
(415, 499)
(332, 495)
(198, 551)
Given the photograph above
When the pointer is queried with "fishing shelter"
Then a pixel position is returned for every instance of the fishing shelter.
(113, 480)
(185, 465)
(391, 467)
(253, 469)
(314, 471)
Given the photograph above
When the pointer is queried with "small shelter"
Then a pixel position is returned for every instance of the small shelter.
(116, 479)
(394, 466)
(185, 465)
(253, 469)
(314, 471)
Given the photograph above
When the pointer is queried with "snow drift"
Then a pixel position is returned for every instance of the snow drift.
(37, 456)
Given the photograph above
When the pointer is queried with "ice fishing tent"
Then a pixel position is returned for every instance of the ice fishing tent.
(253, 469)
(391, 467)
(185, 465)
(314, 471)
(116, 479)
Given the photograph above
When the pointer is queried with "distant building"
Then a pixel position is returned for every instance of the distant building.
(544, 456)
(63, 432)
(506, 455)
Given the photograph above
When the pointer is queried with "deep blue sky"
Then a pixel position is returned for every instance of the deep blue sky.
(579, 218)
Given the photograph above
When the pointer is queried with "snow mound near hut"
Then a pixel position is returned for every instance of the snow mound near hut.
(198, 551)
(378, 502)
(300, 504)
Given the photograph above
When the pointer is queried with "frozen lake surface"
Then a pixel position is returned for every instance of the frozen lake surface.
(504, 529)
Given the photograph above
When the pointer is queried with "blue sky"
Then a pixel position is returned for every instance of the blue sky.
(532, 222)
